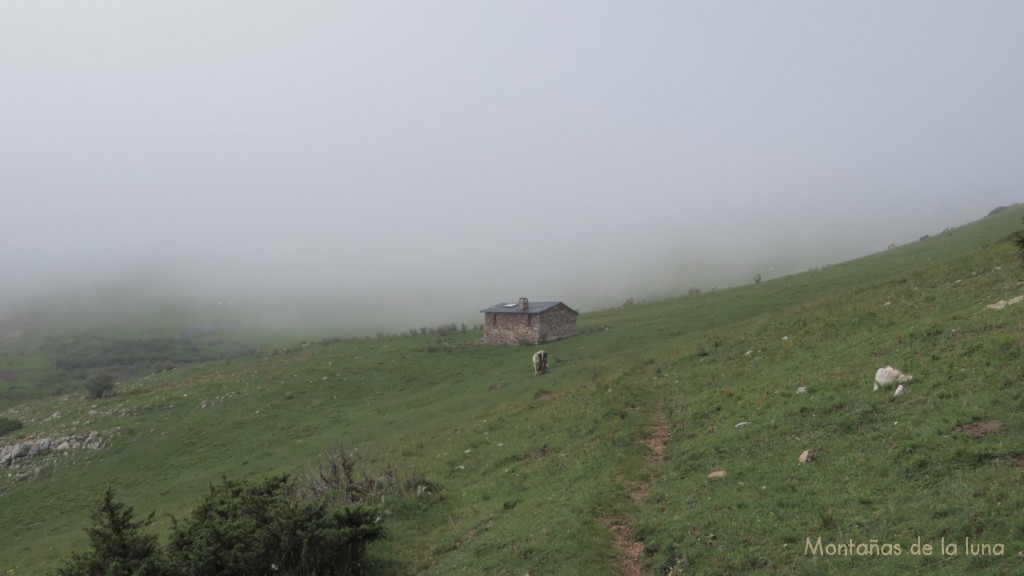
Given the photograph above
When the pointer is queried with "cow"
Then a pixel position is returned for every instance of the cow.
(540, 363)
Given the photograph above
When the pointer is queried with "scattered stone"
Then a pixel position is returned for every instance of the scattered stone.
(806, 456)
(900, 390)
(717, 474)
(742, 424)
(802, 390)
(20, 477)
(93, 441)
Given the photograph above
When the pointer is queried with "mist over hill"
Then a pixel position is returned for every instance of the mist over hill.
(308, 296)
(378, 166)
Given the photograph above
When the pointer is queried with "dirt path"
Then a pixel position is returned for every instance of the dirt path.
(630, 559)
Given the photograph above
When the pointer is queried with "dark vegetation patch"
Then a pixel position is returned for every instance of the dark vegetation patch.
(8, 425)
(100, 386)
(76, 360)
(240, 528)
(77, 352)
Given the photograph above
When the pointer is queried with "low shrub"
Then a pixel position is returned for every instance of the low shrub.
(244, 528)
(100, 386)
(240, 528)
(8, 425)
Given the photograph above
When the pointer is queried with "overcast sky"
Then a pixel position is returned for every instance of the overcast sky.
(472, 152)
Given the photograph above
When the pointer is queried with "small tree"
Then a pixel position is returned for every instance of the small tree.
(119, 547)
(101, 385)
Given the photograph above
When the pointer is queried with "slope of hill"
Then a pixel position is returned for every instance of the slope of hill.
(602, 466)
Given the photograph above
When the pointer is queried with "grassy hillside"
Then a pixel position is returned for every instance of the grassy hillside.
(601, 466)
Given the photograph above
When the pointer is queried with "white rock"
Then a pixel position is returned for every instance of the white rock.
(1004, 303)
(888, 375)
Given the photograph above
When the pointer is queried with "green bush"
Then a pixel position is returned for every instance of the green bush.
(239, 529)
(244, 528)
(8, 425)
(101, 385)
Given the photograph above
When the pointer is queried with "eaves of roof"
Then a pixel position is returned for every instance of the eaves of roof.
(513, 308)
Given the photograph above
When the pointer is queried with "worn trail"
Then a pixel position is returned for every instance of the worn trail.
(631, 551)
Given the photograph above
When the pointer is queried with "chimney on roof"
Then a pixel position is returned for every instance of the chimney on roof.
(524, 304)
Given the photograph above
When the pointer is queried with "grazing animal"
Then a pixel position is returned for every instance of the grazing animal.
(540, 363)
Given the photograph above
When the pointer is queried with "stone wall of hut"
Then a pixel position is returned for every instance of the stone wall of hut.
(511, 329)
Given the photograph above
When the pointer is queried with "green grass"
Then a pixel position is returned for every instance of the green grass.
(532, 471)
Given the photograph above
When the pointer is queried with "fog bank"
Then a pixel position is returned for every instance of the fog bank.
(423, 161)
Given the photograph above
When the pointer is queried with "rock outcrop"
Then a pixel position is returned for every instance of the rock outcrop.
(14, 454)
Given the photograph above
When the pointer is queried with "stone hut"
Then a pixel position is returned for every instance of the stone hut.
(526, 322)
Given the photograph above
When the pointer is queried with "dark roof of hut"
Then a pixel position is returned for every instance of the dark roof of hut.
(513, 308)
